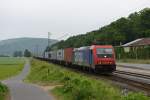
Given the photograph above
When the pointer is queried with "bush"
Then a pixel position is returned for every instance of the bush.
(79, 89)
(3, 91)
(3, 88)
(136, 96)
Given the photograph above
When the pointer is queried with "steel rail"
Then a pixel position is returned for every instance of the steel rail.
(133, 74)
(135, 82)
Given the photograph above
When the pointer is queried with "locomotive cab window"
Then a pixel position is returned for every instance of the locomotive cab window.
(104, 52)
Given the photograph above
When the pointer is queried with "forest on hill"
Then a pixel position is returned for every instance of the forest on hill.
(18, 45)
(123, 30)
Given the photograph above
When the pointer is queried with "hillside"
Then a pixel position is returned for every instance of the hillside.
(8, 47)
(123, 30)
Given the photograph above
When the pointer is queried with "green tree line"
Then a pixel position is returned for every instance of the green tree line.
(26, 53)
(123, 30)
(135, 53)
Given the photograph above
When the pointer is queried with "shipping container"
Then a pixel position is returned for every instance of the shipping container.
(53, 55)
(68, 55)
(83, 56)
(46, 55)
(60, 55)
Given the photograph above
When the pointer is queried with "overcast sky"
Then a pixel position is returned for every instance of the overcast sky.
(34, 18)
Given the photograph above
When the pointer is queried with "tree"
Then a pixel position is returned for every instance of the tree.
(27, 53)
(123, 30)
(18, 54)
(145, 18)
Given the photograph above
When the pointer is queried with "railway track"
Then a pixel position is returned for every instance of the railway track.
(141, 82)
(133, 74)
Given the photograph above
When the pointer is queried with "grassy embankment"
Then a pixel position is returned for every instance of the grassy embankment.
(9, 67)
(136, 61)
(76, 86)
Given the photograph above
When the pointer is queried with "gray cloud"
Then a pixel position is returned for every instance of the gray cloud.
(34, 18)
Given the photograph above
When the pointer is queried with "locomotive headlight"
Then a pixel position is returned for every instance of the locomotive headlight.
(100, 62)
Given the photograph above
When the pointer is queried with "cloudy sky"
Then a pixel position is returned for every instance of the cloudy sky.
(63, 18)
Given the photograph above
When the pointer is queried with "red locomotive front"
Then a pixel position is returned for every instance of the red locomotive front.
(104, 58)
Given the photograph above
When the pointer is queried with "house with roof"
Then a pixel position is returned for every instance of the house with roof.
(138, 43)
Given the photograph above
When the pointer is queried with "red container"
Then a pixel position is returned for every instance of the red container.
(68, 55)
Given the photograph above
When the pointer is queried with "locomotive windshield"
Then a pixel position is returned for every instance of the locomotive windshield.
(104, 52)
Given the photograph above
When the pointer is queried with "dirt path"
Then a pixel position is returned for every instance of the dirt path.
(24, 91)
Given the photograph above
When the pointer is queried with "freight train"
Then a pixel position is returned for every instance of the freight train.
(97, 58)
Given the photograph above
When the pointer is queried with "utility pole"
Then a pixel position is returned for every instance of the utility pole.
(37, 50)
(49, 39)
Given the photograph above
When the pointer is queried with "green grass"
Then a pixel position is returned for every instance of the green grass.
(75, 86)
(3, 91)
(10, 66)
(139, 61)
